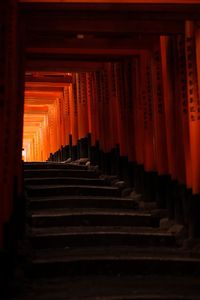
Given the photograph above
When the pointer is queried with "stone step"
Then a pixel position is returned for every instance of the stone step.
(53, 165)
(65, 181)
(93, 217)
(82, 202)
(44, 173)
(113, 260)
(100, 236)
(145, 287)
(48, 190)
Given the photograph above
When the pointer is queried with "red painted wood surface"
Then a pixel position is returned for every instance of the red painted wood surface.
(159, 113)
(147, 108)
(194, 104)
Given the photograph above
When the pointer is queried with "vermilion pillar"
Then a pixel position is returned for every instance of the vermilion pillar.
(89, 96)
(121, 107)
(182, 96)
(66, 115)
(194, 104)
(113, 105)
(159, 113)
(138, 112)
(74, 111)
(82, 105)
(129, 109)
(169, 104)
(147, 108)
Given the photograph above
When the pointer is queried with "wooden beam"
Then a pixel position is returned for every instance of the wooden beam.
(57, 23)
(80, 51)
(77, 65)
(57, 80)
(89, 42)
(31, 88)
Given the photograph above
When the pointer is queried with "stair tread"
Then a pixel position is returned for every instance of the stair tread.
(81, 197)
(94, 239)
(89, 211)
(113, 288)
(45, 170)
(125, 253)
(100, 230)
(46, 165)
(41, 186)
(67, 178)
(101, 287)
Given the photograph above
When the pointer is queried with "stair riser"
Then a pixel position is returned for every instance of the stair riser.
(95, 220)
(59, 173)
(80, 240)
(114, 267)
(67, 181)
(67, 191)
(74, 203)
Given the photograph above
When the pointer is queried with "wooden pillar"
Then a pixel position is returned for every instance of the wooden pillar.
(89, 95)
(106, 141)
(113, 117)
(73, 117)
(83, 121)
(94, 119)
(160, 127)
(11, 108)
(147, 144)
(194, 105)
(2, 107)
(180, 87)
(121, 105)
(94, 113)
(194, 124)
(82, 104)
(138, 124)
(146, 95)
(52, 128)
(169, 105)
(114, 114)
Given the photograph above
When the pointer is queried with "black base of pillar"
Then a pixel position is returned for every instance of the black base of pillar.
(139, 178)
(83, 148)
(89, 144)
(131, 174)
(101, 161)
(123, 168)
(150, 179)
(186, 206)
(170, 199)
(179, 204)
(115, 161)
(194, 217)
(65, 152)
(105, 162)
(162, 190)
(74, 153)
(93, 155)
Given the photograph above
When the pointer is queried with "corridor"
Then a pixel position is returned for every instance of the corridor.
(99, 148)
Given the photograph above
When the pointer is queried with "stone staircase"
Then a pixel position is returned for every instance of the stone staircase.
(89, 242)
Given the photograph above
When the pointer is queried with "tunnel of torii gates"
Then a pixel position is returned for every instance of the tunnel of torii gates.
(136, 114)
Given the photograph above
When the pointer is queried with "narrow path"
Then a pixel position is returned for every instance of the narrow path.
(89, 242)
